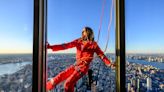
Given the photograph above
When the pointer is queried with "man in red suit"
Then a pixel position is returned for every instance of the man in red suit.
(86, 46)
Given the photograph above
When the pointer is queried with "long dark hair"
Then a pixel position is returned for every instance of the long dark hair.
(89, 32)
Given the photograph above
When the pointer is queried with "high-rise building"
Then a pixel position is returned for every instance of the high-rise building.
(93, 87)
(149, 84)
(134, 82)
(129, 87)
(139, 69)
(138, 85)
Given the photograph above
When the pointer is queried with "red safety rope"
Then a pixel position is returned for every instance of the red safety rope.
(109, 25)
(101, 18)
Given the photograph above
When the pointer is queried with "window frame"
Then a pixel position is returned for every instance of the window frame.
(39, 46)
(120, 46)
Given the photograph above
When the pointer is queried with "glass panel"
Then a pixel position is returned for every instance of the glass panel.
(66, 20)
(144, 45)
(16, 31)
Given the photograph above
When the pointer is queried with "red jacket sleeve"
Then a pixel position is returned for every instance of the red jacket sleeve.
(101, 55)
(64, 45)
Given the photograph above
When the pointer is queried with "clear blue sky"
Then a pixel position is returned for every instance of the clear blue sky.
(144, 25)
(66, 18)
(16, 26)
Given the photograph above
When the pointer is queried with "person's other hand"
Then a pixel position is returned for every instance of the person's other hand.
(50, 85)
(112, 66)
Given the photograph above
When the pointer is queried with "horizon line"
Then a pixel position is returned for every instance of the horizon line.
(75, 53)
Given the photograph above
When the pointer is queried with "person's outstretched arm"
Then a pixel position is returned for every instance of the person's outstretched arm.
(63, 46)
(101, 55)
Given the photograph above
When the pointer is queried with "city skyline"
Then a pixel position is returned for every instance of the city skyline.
(143, 24)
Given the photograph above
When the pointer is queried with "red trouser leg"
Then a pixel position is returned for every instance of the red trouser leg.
(71, 81)
(60, 77)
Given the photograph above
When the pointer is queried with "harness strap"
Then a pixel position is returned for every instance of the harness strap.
(77, 68)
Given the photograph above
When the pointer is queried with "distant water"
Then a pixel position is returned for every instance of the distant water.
(10, 68)
(155, 64)
(14, 55)
(13, 67)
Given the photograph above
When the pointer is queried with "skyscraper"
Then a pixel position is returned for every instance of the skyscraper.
(129, 86)
(138, 85)
(149, 84)
(134, 82)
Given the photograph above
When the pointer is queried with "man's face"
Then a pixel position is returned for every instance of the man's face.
(84, 35)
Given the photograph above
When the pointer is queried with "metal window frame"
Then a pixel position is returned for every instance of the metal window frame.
(120, 46)
(39, 47)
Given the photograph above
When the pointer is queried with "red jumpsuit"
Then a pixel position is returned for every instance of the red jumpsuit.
(84, 56)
